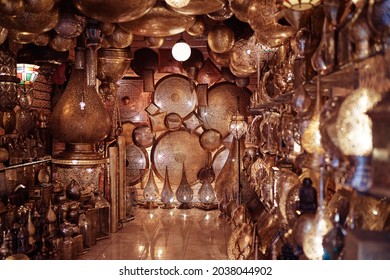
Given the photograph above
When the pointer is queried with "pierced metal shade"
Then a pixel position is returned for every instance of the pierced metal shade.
(301, 5)
(8, 81)
(238, 126)
(27, 73)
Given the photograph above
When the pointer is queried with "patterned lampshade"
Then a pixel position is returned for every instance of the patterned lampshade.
(27, 73)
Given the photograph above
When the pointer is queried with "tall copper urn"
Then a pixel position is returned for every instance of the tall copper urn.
(79, 119)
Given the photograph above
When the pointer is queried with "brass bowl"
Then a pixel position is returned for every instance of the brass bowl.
(112, 64)
(114, 10)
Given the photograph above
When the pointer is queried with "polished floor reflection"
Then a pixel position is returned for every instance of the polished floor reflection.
(166, 234)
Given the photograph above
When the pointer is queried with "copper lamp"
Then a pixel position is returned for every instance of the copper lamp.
(27, 73)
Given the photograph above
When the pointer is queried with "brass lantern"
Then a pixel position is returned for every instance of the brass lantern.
(8, 81)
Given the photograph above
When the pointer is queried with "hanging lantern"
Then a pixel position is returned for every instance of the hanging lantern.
(238, 126)
(301, 5)
(27, 73)
(8, 81)
(181, 51)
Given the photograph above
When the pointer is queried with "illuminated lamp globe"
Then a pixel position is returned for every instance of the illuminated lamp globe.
(177, 3)
(181, 51)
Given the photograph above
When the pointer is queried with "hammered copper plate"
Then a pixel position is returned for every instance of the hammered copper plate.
(172, 149)
(222, 105)
(174, 94)
(136, 160)
(200, 7)
(159, 22)
(133, 101)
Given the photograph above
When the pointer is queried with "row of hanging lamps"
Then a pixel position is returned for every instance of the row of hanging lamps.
(301, 5)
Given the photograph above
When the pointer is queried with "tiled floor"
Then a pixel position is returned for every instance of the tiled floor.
(166, 234)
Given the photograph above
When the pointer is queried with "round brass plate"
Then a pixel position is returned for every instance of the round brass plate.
(222, 105)
(174, 94)
(136, 160)
(172, 149)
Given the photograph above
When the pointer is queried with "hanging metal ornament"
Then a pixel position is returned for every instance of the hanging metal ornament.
(220, 38)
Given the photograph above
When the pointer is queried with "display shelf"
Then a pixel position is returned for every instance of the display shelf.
(48, 159)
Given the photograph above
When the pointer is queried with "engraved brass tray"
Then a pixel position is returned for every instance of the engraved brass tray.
(172, 149)
(174, 94)
(222, 105)
(132, 101)
(137, 160)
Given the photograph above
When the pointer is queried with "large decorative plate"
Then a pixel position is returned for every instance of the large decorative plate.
(222, 105)
(133, 101)
(174, 94)
(137, 160)
(172, 149)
